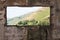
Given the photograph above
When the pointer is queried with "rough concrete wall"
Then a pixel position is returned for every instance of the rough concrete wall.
(17, 2)
(2, 22)
(12, 32)
(56, 28)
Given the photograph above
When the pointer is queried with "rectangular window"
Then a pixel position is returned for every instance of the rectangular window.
(22, 16)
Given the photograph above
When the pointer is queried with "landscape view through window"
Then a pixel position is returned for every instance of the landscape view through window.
(28, 15)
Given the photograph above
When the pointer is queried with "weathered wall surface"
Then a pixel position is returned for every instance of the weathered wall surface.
(14, 33)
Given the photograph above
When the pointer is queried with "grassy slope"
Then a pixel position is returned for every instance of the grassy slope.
(43, 16)
(39, 16)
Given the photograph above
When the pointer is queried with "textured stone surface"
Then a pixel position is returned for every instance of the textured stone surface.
(14, 33)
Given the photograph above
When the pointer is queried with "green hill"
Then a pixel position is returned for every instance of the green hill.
(41, 15)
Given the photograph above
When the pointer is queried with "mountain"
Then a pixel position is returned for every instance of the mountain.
(39, 15)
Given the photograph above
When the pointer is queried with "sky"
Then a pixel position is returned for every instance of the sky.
(19, 11)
